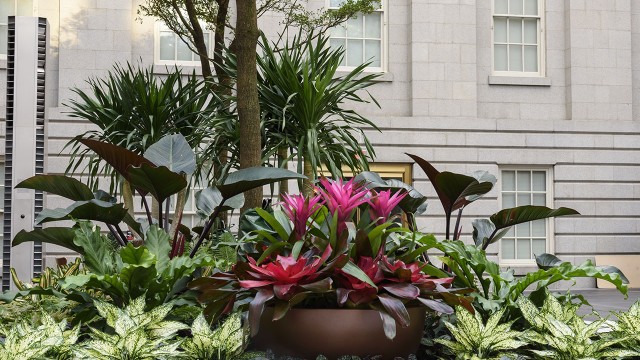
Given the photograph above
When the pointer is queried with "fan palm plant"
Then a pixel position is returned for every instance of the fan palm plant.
(305, 102)
(133, 108)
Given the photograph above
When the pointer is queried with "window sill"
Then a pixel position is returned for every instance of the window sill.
(519, 80)
(166, 69)
(384, 76)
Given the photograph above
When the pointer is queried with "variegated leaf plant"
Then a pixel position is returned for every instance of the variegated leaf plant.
(476, 339)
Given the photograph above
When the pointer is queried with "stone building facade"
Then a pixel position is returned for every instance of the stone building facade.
(543, 94)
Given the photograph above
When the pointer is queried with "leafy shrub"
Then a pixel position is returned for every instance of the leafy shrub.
(23, 341)
(560, 333)
(475, 339)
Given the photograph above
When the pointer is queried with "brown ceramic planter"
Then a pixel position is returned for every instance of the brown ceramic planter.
(307, 333)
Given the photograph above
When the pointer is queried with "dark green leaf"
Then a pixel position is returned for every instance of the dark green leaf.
(522, 214)
(208, 199)
(173, 152)
(547, 261)
(97, 250)
(483, 229)
(160, 182)
(157, 242)
(53, 235)
(246, 179)
(96, 210)
(64, 186)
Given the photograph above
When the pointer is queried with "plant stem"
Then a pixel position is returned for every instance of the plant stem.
(146, 208)
(448, 224)
(207, 228)
(115, 235)
(456, 231)
(122, 235)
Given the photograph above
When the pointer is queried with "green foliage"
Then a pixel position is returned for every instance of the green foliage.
(135, 335)
(476, 339)
(628, 327)
(133, 108)
(560, 333)
(225, 342)
(304, 99)
(24, 341)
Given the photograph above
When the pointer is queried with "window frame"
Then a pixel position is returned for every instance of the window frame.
(5, 22)
(541, 42)
(550, 224)
(160, 26)
(384, 41)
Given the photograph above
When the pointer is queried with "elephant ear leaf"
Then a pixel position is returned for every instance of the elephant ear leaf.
(118, 157)
(485, 234)
(174, 152)
(521, 214)
(243, 180)
(61, 236)
(61, 185)
(160, 182)
(547, 261)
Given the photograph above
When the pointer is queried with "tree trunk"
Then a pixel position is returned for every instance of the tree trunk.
(198, 39)
(307, 184)
(247, 88)
(283, 186)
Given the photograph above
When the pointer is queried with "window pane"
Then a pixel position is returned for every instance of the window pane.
(501, 7)
(354, 52)
(531, 58)
(500, 30)
(336, 3)
(508, 249)
(339, 43)
(354, 27)
(515, 31)
(523, 230)
(373, 25)
(500, 57)
(338, 31)
(531, 31)
(508, 200)
(524, 181)
(515, 7)
(524, 199)
(515, 57)
(207, 35)
(184, 53)
(539, 246)
(531, 7)
(524, 249)
(167, 45)
(539, 228)
(539, 181)
(511, 232)
(508, 180)
(539, 199)
(25, 8)
(6, 9)
(372, 52)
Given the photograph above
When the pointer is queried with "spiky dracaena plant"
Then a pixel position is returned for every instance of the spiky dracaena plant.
(478, 340)
(225, 342)
(560, 333)
(138, 335)
(50, 340)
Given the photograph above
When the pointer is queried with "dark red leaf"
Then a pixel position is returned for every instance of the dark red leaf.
(395, 308)
(323, 285)
(437, 306)
(402, 290)
(256, 307)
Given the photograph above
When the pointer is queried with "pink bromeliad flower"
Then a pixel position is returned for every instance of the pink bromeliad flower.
(383, 203)
(342, 198)
(299, 209)
(286, 275)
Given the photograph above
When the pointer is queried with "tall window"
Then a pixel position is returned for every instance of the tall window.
(518, 46)
(171, 50)
(362, 37)
(525, 187)
(9, 8)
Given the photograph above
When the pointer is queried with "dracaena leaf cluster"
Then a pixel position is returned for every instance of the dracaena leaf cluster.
(334, 249)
